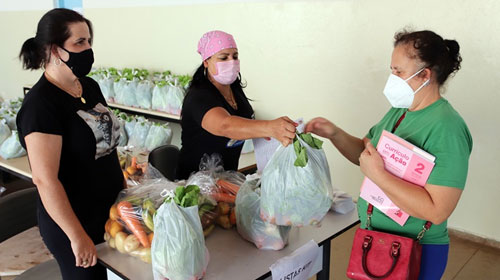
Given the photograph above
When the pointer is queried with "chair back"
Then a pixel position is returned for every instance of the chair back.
(17, 212)
(164, 158)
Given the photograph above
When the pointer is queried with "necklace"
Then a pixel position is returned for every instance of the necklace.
(231, 100)
(79, 91)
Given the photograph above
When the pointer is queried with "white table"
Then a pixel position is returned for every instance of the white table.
(231, 257)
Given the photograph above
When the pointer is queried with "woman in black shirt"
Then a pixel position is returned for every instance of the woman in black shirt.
(216, 114)
(70, 136)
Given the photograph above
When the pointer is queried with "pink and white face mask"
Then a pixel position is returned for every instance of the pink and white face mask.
(227, 71)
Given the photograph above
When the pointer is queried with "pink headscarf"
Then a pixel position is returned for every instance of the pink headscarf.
(214, 41)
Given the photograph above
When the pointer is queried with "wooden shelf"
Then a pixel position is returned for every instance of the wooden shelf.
(148, 113)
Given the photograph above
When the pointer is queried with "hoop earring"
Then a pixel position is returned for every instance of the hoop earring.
(205, 72)
(57, 64)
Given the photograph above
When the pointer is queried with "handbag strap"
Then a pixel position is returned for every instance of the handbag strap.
(369, 213)
(394, 253)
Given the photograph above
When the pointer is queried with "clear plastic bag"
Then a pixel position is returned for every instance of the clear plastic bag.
(219, 186)
(295, 195)
(158, 135)
(106, 85)
(129, 92)
(130, 227)
(11, 148)
(118, 87)
(5, 131)
(250, 226)
(174, 99)
(139, 134)
(178, 249)
(144, 94)
(159, 98)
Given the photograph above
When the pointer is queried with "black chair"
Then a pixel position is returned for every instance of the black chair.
(17, 212)
(164, 158)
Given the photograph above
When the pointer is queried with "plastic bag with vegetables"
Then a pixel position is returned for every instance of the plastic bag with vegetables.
(178, 250)
(174, 99)
(158, 135)
(138, 137)
(11, 148)
(106, 84)
(118, 88)
(220, 186)
(129, 92)
(5, 131)
(130, 227)
(296, 184)
(144, 94)
(251, 227)
(159, 98)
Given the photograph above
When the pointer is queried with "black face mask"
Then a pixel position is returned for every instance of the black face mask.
(80, 63)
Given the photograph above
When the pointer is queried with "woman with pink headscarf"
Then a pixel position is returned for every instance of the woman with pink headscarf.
(216, 114)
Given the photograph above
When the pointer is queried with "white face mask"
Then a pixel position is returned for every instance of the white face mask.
(398, 91)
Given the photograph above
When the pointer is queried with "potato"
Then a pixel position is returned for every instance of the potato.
(114, 228)
(145, 255)
(113, 213)
(107, 236)
(130, 243)
(223, 208)
(111, 243)
(120, 240)
(223, 221)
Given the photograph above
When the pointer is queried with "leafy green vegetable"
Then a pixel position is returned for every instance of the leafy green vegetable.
(300, 151)
(186, 196)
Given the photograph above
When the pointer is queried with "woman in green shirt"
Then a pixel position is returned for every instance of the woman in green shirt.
(421, 63)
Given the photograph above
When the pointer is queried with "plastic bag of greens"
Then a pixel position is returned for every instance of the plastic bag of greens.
(11, 148)
(129, 92)
(5, 131)
(130, 122)
(159, 98)
(118, 88)
(159, 135)
(250, 226)
(178, 250)
(106, 84)
(296, 184)
(144, 94)
(174, 99)
(9, 115)
(138, 137)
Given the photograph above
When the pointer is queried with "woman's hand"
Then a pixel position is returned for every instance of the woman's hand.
(283, 130)
(321, 127)
(84, 251)
(370, 162)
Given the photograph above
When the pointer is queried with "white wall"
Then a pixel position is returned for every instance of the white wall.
(312, 58)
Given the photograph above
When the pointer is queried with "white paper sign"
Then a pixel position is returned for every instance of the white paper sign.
(298, 265)
(264, 149)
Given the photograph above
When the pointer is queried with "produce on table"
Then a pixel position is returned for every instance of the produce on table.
(249, 224)
(296, 184)
(178, 249)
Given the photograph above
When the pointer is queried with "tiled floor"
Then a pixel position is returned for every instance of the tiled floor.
(466, 260)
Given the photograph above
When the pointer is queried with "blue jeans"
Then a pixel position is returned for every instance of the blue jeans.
(434, 260)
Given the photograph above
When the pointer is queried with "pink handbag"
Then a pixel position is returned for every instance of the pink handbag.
(380, 255)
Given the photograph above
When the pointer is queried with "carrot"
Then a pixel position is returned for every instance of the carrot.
(228, 186)
(133, 163)
(232, 216)
(125, 209)
(224, 197)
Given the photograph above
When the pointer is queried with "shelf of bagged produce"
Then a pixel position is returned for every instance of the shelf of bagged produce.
(149, 113)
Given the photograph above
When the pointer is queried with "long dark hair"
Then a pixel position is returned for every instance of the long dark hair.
(52, 30)
(200, 78)
(440, 55)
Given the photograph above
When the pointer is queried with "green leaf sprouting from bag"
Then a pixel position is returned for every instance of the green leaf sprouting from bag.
(300, 151)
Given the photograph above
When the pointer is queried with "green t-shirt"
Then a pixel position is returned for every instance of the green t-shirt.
(441, 131)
